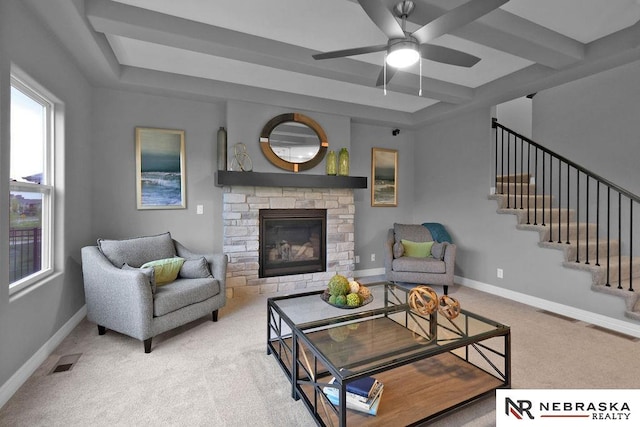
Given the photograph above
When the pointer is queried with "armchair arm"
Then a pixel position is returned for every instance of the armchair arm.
(388, 250)
(117, 299)
(450, 257)
(217, 263)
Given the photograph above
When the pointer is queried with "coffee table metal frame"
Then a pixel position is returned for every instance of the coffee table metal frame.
(305, 364)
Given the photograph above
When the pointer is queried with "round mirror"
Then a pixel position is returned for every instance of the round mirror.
(293, 142)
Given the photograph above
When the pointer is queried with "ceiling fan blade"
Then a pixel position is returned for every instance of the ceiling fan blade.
(350, 52)
(447, 55)
(390, 73)
(383, 18)
(456, 18)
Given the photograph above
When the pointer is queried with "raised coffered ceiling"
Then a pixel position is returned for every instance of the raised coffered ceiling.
(261, 51)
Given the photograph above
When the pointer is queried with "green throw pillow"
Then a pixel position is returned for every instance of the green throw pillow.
(166, 270)
(416, 249)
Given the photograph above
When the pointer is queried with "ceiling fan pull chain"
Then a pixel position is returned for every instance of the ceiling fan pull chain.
(420, 91)
(384, 66)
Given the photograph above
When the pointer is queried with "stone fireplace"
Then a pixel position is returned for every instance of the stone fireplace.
(241, 229)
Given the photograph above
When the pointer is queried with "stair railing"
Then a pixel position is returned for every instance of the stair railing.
(518, 158)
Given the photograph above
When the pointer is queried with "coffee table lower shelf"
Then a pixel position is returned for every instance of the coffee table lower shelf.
(417, 392)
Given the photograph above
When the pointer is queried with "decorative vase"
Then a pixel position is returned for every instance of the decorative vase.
(222, 149)
(343, 162)
(331, 163)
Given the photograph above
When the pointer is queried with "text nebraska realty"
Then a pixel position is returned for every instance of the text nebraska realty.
(598, 410)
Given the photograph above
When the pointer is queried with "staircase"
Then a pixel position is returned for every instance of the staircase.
(590, 219)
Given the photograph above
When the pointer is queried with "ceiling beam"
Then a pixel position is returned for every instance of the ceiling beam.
(68, 22)
(127, 21)
(609, 52)
(168, 84)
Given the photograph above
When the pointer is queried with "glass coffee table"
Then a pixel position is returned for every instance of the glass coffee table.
(429, 364)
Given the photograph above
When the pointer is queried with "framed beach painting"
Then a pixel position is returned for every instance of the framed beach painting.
(160, 169)
(384, 177)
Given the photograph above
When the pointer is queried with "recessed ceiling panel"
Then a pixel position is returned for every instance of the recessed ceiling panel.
(582, 20)
(158, 57)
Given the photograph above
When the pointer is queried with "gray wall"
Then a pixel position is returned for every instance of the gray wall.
(372, 222)
(115, 115)
(31, 318)
(595, 122)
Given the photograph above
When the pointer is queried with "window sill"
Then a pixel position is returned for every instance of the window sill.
(23, 287)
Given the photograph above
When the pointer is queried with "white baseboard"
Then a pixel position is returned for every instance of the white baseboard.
(12, 385)
(621, 326)
(369, 272)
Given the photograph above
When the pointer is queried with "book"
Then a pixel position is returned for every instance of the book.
(377, 386)
(371, 409)
(362, 386)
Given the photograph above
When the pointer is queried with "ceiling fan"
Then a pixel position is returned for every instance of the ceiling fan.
(404, 49)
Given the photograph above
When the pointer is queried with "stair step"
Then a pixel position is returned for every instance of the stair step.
(523, 201)
(572, 233)
(515, 188)
(549, 218)
(575, 232)
(570, 249)
(624, 264)
(518, 177)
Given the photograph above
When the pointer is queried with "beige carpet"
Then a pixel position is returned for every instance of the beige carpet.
(218, 374)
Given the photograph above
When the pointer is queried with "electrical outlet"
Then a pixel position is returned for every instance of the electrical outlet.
(500, 273)
(200, 209)
(373, 257)
(357, 259)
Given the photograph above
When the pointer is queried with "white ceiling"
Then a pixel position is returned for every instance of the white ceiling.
(261, 50)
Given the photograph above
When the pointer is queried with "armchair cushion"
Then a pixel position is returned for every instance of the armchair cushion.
(138, 251)
(413, 232)
(437, 250)
(196, 268)
(417, 249)
(398, 250)
(183, 292)
(166, 270)
(419, 265)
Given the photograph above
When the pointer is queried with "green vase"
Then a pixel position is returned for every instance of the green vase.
(331, 163)
(343, 162)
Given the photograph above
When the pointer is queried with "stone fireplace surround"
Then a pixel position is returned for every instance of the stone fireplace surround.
(241, 205)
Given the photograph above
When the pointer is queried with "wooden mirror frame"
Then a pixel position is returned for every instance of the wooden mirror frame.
(265, 144)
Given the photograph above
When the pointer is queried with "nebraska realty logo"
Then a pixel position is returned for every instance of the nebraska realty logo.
(567, 408)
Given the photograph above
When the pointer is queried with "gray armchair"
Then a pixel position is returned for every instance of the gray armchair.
(436, 269)
(124, 298)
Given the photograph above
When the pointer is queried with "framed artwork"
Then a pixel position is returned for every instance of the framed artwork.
(160, 169)
(384, 177)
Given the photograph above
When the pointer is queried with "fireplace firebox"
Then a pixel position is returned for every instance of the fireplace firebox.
(292, 241)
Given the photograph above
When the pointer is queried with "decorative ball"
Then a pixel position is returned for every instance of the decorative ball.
(353, 300)
(449, 307)
(364, 292)
(354, 287)
(341, 300)
(423, 299)
(338, 285)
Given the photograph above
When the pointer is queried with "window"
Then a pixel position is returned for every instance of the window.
(31, 187)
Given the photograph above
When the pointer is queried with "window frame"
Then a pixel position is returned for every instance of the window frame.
(47, 188)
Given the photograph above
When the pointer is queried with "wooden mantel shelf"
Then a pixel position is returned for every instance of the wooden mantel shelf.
(267, 179)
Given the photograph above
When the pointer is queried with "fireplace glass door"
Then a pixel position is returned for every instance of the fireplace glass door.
(292, 241)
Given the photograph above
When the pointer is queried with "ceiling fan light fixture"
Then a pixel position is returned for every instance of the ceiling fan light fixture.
(403, 54)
